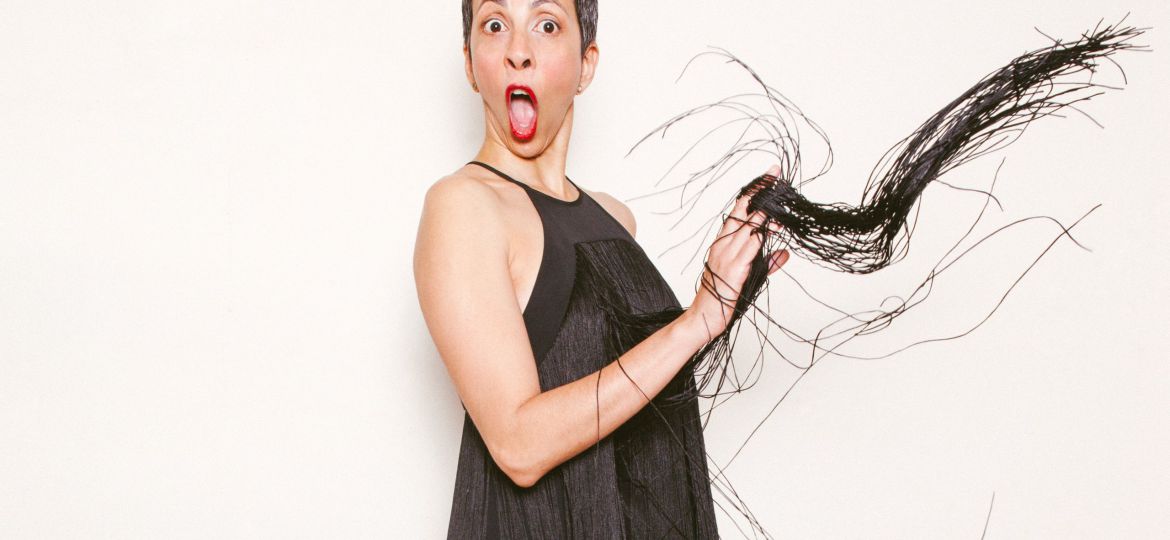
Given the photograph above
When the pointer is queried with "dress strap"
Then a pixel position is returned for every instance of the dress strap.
(530, 189)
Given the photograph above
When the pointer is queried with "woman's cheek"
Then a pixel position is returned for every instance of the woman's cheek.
(566, 77)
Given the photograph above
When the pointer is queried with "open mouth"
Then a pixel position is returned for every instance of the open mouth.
(521, 111)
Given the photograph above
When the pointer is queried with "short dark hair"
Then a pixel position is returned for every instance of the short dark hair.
(586, 20)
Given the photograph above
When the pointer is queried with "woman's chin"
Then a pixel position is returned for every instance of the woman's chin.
(532, 144)
(527, 149)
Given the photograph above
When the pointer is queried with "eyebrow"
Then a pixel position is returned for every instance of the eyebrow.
(535, 3)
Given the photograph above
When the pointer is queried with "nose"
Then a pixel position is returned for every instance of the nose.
(519, 54)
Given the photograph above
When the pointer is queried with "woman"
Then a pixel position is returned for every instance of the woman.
(518, 271)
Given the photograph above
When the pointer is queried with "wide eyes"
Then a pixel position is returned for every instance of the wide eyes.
(547, 26)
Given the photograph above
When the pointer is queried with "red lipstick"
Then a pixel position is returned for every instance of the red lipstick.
(522, 111)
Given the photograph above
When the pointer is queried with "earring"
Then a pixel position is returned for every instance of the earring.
(580, 89)
(475, 87)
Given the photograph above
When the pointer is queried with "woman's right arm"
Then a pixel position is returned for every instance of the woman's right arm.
(469, 304)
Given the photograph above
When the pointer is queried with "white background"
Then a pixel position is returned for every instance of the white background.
(208, 324)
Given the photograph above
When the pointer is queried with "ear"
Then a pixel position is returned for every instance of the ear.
(467, 67)
(589, 65)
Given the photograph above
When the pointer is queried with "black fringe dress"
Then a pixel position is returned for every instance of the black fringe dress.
(648, 479)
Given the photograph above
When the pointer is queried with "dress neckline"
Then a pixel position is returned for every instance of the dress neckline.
(530, 189)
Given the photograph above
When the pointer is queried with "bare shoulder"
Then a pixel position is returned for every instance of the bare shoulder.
(616, 208)
(460, 215)
(461, 191)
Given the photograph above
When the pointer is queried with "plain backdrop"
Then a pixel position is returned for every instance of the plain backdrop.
(208, 322)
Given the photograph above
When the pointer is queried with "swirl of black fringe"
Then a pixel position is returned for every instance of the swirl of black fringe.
(870, 236)
(874, 234)
(861, 239)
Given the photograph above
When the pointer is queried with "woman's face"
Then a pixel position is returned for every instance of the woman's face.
(525, 57)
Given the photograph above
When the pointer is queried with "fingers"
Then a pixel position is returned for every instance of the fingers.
(778, 259)
(742, 236)
(758, 226)
(738, 219)
(749, 235)
(757, 220)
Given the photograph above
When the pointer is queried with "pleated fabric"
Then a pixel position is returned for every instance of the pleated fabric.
(649, 478)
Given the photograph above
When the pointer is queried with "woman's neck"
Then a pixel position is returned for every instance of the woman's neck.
(544, 170)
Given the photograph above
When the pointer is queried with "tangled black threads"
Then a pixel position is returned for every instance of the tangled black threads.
(869, 236)
(991, 114)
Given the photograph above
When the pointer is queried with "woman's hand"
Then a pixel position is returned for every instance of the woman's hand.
(728, 263)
